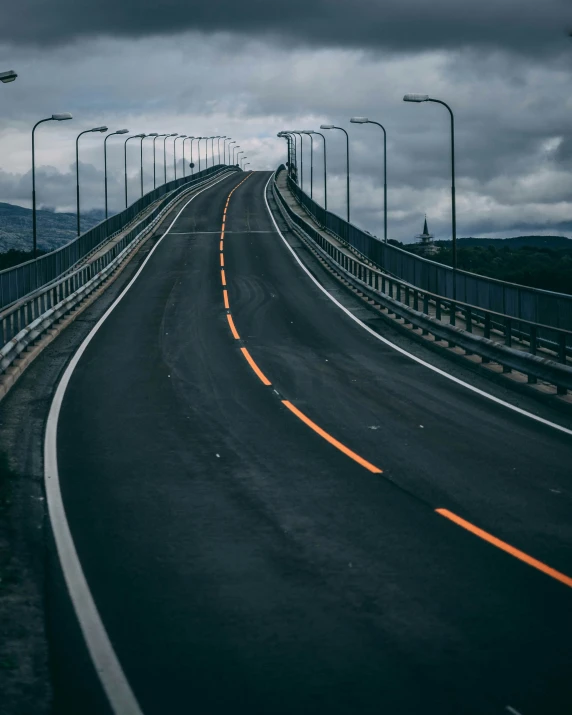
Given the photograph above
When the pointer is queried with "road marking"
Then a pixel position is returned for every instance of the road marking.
(506, 547)
(255, 367)
(221, 241)
(332, 440)
(222, 258)
(222, 277)
(225, 298)
(395, 347)
(511, 710)
(233, 330)
(106, 664)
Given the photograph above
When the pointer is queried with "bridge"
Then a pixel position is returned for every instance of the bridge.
(286, 467)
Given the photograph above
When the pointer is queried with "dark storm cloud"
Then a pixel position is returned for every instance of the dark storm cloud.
(399, 25)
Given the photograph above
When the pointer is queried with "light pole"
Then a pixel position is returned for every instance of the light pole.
(56, 118)
(180, 136)
(87, 131)
(199, 151)
(238, 153)
(184, 165)
(331, 126)
(8, 76)
(325, 172)
(225, 139)
(229, 144)
(292, 157)
(135, 136)
(241, 160)
(154, 159)
(427, 98)
(301, 159)
(365, 120)
(309, 133)
(192, 140)
(212, 149)
(234, 156)
(120, 131)
(175, 134)
(218, 147)
(154, 135)
(165, 152)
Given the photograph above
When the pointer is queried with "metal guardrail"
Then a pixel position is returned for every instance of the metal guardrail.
(19, 281)
(412, 305)
(24, 322)
(520, 302)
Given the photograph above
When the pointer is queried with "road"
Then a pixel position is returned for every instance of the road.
(275, 548)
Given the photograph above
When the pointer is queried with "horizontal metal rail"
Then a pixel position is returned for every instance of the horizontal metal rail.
(412, 305)
(22, 324)
(21, 280)
(519, 302)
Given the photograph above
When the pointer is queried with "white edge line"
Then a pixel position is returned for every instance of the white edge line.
(107, 666)
(514, 408)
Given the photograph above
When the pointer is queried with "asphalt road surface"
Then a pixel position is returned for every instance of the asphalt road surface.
(275, 548)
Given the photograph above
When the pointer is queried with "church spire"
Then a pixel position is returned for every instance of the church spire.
(425, 229)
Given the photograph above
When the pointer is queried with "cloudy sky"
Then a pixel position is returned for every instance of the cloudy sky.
(251, 69)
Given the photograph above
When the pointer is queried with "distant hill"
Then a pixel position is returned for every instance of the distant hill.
(54, 229)
(554, 242)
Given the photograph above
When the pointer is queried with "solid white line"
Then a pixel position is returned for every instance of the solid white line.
(466, 385)
(108, 668)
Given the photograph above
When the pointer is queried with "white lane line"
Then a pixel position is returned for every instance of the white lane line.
(511, 710)
(520, 411)
(107, 666)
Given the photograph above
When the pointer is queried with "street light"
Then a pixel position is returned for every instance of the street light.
(198, 141)
(232, 142)
(154, 135)
(234, 148)
(56, 118)
(331, 126)
(325, 167)
(299, 133)
(292, 157)
(237, 155)
(309, 133)
(174, 134)
(135, 136)
(120, 131)
(87, 131)
(247, 164)
(365, 120)
(218, 147)
(184, 165)
(8, 76)
(226, 139)
(241, 160)
(427, 98)
(154, 159)
(180, 136)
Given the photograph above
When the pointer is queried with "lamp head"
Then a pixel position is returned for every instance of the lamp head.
(359, 120)
(122, 131)
(326, 126)
(182, 135)
(415, 97)
(173, 135)
(153, 134)
(8, 76)
(62, 116)
(98, 129)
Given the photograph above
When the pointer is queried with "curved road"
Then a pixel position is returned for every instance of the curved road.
(242, 561)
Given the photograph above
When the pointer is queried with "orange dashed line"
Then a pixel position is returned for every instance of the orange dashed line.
(255, 367)
(223, 277)
(332, 440)
(222, 259)
(506, 547)
(221, 244)
(225, 298)
(233, 330)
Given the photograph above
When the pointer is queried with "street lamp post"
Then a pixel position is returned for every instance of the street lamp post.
(184, 165)
(180, 136)
(238, 153)
(154, 135)
(247, 164)
(301, 159)
(135, 136)
(165, 152)
(427, 98)
(218, 148)
(120, 131)
(309, 133)
(192, 140)
(234, 155)
(87, 131)
(331, 126)
(292, 152)
(57, 118)
(154, 159)
(325, 173)
(365, 120)
(224, 149)
(175, 134)
(229, 144)
(8, 76)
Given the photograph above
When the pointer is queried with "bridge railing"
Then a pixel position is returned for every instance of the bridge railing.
(21, 280)
(520, 302)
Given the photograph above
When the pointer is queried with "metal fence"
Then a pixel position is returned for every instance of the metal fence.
(19, 281)
(529, 304)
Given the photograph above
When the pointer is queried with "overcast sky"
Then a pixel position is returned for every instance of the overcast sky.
(251, 69)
